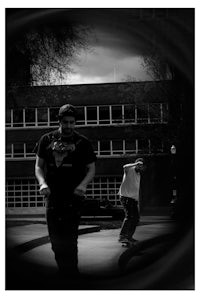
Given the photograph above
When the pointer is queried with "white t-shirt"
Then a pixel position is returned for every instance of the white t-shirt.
(130, 185)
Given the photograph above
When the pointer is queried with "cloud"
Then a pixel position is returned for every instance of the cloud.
(121, 42)
(116, 40)
(105, 64)
(116, 44)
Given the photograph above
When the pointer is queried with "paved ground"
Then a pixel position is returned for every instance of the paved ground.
(103, 262)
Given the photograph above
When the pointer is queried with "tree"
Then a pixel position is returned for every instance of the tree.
(157, 67)
(40, 51)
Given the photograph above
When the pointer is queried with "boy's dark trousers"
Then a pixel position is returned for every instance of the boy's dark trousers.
(131, 217)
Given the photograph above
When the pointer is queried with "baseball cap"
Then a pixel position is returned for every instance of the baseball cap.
(67, 110)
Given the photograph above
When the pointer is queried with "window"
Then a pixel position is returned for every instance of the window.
(116, 114)
(105, 147)
(117, 147)
(129, 113)
(18, 118)
(8, 150)
(30, 117)
(142, 113)
(91, 115)
(130, 146)
(29, 149)
(53, 112)
(80, 116)
(19, 150)
(104, 115)
(42, 116)
(25, 192)
(105, 188)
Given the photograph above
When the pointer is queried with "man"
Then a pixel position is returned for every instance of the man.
(129, 195)
(65, 164)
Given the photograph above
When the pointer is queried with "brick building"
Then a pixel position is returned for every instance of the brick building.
(123, 121)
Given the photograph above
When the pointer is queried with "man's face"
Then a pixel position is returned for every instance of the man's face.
(67, 125)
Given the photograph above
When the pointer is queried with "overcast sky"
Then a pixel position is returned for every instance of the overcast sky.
(117, 39)
(114, 48)
(104, 64)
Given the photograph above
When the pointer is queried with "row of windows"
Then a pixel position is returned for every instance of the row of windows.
(134, 146)
(20, 150)
(90, 115)
(25, 192)
(103, 147)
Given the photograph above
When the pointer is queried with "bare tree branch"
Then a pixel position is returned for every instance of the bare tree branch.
(44, 51)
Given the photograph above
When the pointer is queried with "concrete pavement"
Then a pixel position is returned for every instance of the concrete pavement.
(103, 262)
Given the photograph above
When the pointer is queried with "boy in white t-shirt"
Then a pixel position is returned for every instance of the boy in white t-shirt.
(129, 196)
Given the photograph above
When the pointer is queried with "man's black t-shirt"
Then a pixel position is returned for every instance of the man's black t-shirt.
(66, 160)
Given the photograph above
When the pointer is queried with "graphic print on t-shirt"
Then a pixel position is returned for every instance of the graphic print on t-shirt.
(61, 150)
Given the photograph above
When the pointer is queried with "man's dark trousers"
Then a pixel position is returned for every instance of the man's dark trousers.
(63, 223)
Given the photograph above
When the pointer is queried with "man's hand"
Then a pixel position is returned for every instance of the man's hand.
(44, 190)
(80, 191)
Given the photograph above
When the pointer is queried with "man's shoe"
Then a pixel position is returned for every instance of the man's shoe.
(132, 241)
(123, 239)
(128, 242)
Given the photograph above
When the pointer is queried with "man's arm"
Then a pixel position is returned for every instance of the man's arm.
(139, 167)
(81, 188)
(129, 165)
(39, 173)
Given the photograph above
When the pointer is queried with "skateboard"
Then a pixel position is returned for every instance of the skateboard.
(126, 244)
(129, 244)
